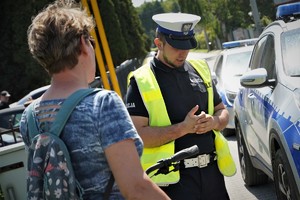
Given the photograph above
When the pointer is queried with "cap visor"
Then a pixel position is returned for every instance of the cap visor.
(182, 44)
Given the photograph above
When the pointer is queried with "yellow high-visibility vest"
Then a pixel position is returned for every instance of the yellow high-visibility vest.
(158, 116)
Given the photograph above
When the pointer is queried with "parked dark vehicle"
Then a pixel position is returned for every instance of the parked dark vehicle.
(9, 125)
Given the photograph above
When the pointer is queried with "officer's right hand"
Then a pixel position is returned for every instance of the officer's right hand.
(190, 120)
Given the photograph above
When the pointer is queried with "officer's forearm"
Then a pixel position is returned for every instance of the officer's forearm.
(221, 118)
(157, 136)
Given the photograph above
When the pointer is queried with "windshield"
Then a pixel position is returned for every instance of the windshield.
(236, 64)
(291, 52)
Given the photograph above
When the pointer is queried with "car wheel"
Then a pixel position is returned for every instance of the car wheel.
(250, 174)
(285, 184)
(228, 132)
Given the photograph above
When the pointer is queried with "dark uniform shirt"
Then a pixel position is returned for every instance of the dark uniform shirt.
(182, 89)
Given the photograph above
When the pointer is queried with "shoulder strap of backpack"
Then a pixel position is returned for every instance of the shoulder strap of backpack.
(32, 128)
(63, 114)
(67, 107)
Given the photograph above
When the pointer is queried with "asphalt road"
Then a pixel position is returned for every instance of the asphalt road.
(235, 184)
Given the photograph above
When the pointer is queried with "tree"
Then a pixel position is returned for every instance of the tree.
(171, 6)
(112, 26)
(19, 72)
(121, 23)
(146, 11)
(201, 8)
(130, 32)
(267, 11)
(132, 29)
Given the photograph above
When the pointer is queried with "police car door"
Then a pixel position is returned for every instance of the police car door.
(258, 100)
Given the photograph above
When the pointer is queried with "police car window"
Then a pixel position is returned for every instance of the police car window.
(268, 60)
(258, 53)
(219, 66)
(236, 64)
(290, 52)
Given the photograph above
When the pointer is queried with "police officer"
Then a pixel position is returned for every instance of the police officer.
(168, 100)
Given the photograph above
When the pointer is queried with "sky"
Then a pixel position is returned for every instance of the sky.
(137, 3)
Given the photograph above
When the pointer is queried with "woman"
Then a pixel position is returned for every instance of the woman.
(99, 134)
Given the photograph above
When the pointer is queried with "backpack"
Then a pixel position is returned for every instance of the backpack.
(50, 171)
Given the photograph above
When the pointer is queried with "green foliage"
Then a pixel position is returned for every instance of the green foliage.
(146, 12)
(19, 72)
(191, 6)
(265, 21)
(131, 30)
(266, 9)
(201, 41)
(220, 17)
(123, 30)
(113, 29)
(171, 6)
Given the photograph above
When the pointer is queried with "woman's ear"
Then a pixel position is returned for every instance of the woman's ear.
(84, 44)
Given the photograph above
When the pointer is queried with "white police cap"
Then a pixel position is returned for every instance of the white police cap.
(178, 28)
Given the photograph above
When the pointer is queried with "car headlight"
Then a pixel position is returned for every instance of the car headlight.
(297, 97)
(230, 96)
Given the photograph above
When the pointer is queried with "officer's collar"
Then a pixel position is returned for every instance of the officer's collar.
(160, 65)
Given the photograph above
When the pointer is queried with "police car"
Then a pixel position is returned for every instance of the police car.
(229, 66)
(267, 107)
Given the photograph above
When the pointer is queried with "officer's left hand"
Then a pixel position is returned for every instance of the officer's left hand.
(204, 124)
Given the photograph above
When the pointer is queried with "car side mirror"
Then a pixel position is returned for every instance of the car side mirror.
(256, 78)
